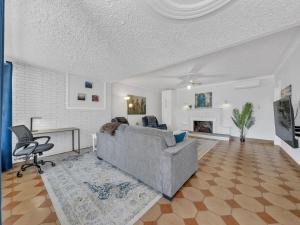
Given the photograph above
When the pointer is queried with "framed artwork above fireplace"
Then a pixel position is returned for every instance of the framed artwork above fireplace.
(203, 100)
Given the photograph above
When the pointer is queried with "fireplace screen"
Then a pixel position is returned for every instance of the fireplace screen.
(203, 126)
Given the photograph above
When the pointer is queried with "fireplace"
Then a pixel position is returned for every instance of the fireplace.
(203, 126)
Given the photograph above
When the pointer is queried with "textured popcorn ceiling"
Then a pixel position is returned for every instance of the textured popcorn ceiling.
(116, 39)
(258, 58)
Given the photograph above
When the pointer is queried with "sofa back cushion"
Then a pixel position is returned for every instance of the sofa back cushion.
(166, 136)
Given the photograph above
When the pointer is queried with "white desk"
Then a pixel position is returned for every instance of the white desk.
(59, 130)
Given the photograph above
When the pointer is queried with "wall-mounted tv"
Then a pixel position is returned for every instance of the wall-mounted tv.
(284, 121)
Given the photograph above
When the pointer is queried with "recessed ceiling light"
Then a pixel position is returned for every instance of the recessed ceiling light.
(189, 87)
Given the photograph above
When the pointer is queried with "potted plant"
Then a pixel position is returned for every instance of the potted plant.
(243, 120)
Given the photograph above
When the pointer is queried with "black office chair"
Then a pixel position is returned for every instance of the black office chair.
(28, 146)
(151, 121)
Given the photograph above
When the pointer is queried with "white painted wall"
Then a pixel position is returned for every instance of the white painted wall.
(119, 105)
(168, 105)
(40, 92)
(289, 73)
(262, 98)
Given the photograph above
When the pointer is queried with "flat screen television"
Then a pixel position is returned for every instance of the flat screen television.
(284, 121)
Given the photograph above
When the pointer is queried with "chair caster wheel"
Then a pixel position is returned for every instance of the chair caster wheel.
(19, 174)
(41, 172)
(53, 164)
(43, 163)
(23, 170)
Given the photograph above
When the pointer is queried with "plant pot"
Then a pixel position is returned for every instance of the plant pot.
(242, 139)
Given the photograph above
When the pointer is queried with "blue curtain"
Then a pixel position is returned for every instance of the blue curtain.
(5, 145)
(1, 76)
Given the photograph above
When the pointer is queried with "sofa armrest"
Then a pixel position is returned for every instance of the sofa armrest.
(179, 147)
(178, 164)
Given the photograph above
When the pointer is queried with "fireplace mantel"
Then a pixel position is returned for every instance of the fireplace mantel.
(213, 114)
(207, 109)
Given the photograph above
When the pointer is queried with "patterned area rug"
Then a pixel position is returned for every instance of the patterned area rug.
(205, 145)
(87, 191)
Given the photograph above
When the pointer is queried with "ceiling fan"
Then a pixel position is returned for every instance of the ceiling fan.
(193, 79)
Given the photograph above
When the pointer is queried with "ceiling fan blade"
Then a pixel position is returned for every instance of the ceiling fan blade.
(171, 77)
(197, 67)
(183, 83)
(197, 75)
(196, 83)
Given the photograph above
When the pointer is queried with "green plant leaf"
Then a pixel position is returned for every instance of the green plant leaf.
(236, 117)
(250, 122)
(244, 119)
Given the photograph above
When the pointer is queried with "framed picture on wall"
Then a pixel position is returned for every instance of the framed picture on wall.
(203, 100)
(136, 105)
(81, 97)
(95, 98)
(85, 94)
(89, 84)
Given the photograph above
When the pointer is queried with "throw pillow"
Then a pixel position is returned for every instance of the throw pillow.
(180, 137)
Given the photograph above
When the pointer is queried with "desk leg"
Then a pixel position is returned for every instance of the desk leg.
(78, 141)
(73, 140)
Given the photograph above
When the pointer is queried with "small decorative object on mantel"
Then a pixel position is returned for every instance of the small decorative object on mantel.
(226, 104)
(243, 120)
(187, 107)
(203, 100)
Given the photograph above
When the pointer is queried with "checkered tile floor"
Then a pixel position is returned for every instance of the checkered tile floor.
(249, 185)
(25, 200)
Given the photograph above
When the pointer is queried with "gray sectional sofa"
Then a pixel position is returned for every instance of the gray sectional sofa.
(150, 155)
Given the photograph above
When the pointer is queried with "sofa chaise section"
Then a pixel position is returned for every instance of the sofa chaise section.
(150, 155)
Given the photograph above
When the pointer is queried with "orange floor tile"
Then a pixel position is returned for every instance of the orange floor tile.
(255, 184)
(25, 200)
(251, 184)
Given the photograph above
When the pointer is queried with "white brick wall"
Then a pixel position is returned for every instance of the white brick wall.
(40, 92)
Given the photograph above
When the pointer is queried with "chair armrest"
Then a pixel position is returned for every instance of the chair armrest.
(26, 144)
(42, 137)
(163, 126)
